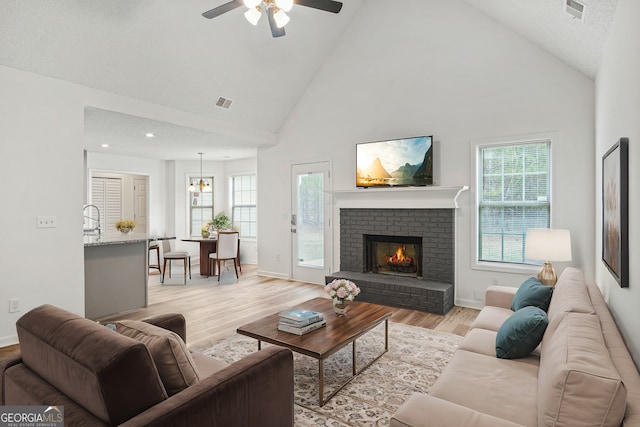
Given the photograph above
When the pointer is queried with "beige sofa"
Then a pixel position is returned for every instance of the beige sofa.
(580, 375)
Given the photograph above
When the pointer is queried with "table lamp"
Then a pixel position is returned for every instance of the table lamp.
(549, 245)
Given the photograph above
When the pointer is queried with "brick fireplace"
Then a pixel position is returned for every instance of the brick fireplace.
(431, 289)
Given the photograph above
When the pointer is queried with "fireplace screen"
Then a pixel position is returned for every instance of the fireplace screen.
(397, 255)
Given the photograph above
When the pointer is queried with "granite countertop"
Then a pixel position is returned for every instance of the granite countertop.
(123, 239)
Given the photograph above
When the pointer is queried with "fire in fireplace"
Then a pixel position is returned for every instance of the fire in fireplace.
(397, 255)
(400, 261)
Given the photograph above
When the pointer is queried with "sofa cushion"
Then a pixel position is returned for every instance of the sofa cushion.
(108, 374)
(483, 341)
(521, 333)
(486, 384)
(170, 354)
(578, 384)
(570, 294)
(532, 293)
(491, 318)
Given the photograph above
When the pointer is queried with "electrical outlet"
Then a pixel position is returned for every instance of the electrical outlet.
(47, 222)
(14, 305)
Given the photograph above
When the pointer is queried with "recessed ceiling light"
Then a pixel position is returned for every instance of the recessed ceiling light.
(105, 145)
(149, 135)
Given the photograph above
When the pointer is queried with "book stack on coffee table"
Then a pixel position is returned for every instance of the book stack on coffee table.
(299, 321)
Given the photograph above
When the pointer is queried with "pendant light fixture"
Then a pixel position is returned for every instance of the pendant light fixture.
(203, 185)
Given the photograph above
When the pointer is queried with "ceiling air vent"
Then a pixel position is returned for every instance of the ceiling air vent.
(575, 9)
(223, 103)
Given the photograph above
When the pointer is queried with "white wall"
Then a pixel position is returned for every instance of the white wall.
(441, 68)
(41, 150)
(617, 115)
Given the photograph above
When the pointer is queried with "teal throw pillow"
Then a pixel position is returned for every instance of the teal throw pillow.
(532, 293)
(521, 333)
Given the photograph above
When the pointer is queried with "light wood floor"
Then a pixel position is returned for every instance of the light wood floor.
(213, 310)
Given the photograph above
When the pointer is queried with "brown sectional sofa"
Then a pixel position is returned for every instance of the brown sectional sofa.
(104, 378)
(580, 375)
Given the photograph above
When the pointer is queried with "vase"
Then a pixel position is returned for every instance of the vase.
(125, 230)
(205, 234)
(340, 306)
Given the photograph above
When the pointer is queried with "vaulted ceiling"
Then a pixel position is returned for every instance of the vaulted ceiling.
(164, 52)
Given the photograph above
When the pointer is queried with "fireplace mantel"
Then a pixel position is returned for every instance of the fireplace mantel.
(434, 197)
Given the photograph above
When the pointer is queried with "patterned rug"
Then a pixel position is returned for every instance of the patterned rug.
(414, 361)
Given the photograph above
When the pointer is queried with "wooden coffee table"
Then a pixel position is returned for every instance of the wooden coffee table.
(322, 343)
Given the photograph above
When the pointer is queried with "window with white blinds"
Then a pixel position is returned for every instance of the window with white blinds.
(513, 195)
(244, 212)
(106, 194)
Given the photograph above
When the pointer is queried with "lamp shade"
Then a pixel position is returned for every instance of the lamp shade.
(281, 18)
(548, 244)
(253, 15)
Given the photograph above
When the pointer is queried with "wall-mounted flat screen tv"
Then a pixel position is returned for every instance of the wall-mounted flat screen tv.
(395, 163)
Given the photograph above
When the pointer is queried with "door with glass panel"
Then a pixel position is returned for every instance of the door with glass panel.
(310, 222)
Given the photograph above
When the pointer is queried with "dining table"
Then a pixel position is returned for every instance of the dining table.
(208, 245)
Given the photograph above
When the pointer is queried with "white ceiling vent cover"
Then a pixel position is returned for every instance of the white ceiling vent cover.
(575, 9)
(223, 103)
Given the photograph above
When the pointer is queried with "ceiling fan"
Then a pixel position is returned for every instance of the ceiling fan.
(275, 9)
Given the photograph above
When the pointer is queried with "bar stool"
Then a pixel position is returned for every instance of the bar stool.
(155, 246)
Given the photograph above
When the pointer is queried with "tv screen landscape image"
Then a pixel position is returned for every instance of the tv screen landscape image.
(395, 163)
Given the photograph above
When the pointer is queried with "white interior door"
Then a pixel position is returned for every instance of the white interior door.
(310, 222)
(140, 203)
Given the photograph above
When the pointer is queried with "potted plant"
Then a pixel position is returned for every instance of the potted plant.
(220, 222)
(205, 231)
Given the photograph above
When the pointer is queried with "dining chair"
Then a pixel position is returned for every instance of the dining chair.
(170, 255)
(226, 249)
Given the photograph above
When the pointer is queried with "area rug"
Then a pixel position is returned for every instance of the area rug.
(414, 361)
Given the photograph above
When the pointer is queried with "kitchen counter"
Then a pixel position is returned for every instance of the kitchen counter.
(122, 239)
(116, 273)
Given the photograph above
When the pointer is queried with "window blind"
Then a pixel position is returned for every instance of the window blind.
(514, 196)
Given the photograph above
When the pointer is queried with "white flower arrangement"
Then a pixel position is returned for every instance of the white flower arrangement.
(342, 289)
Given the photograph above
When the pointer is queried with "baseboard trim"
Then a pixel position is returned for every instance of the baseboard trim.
(273, 274)
(469, 303)
(8, 340)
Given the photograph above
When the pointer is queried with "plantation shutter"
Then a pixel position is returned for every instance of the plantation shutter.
(106, 194)
(514, 195)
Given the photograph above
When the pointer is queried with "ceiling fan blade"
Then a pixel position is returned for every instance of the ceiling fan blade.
(217, 11)
(326, 5)
(275, 31)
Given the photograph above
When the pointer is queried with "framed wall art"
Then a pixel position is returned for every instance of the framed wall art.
(615, 211)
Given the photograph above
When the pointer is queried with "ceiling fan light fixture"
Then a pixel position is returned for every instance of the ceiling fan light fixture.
(285, 5)
(253, 15)
(252, 3)
(281, 18)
